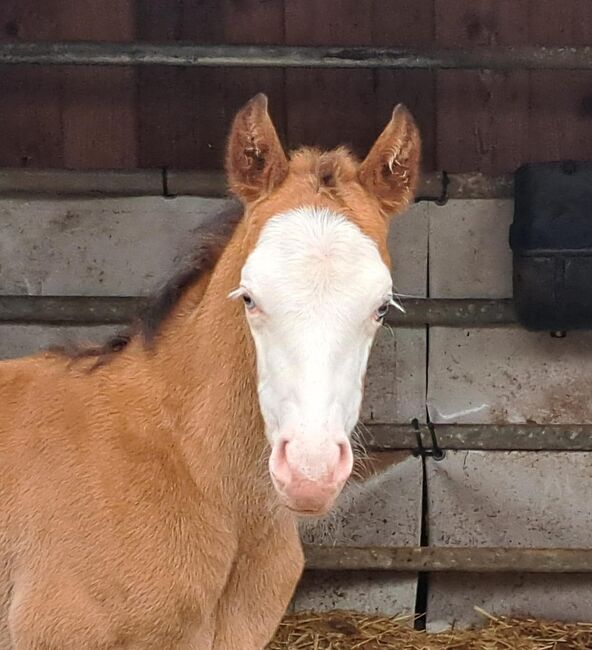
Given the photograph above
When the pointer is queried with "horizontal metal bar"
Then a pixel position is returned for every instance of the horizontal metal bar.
(196, 183)
(271, 56)
(490, 437)
(155, 182)
(474, 185)
(515, 437)
(66, 183)
(433, 186)
(448, 559)
(446, 312)
(382, 437)
(69, 310)
(105, 309)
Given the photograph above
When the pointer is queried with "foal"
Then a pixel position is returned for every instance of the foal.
(149, 497)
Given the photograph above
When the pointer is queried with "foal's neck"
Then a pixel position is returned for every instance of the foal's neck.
(207, 361)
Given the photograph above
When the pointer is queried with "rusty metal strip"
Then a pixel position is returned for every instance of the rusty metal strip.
(523, 437)
(434, 186)
(154, 182)
(447, 312)
(383, 437)
(67, 183)
(68, 310)
(93, 310)
(480, 437)
(271, 56)
(196, 183)
(474, 185)
(449, 559)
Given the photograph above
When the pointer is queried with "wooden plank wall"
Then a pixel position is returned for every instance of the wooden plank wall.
(154, 117)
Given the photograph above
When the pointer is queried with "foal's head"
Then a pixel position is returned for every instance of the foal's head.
(316, 287)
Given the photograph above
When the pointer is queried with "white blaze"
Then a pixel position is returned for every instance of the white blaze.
(316, 281)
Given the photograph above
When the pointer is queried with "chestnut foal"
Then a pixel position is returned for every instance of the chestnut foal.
(149, 496)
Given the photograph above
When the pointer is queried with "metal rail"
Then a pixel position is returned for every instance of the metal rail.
(449, 312)
(66, 310)
(448, 559)
(479, 437)
(33, 183)
(434, 186)
(270, 56)
(99, 310)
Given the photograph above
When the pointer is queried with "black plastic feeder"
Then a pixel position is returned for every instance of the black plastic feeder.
(551, 240)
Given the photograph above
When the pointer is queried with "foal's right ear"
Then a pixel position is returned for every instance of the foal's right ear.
(255, 160)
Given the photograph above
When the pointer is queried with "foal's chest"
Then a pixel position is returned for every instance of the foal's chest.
(172, 580)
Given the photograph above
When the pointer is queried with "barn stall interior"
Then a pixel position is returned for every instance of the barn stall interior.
(478, 430)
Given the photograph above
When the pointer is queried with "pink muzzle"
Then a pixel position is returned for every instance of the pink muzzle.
(309, 478)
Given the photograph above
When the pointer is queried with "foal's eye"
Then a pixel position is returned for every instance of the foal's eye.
(249, 302)
(382, 311)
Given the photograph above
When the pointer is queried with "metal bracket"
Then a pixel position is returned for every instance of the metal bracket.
(443, 198)
(434, 450)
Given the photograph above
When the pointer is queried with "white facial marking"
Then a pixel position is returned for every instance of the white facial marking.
(313, 288)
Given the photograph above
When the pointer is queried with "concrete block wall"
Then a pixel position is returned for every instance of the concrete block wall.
(129, 246)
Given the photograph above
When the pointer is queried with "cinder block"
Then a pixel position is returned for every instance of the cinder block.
(509, 499)
(382, 508)
(117, 246)
(509, 375)
(408, 246)
(396, 381)
(470, 256)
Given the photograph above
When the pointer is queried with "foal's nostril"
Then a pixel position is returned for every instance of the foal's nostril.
(283, 448)
(345, 462)
(344, 451)
(279, 461)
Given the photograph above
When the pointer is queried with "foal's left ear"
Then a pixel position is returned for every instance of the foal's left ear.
(391, 170)
(255, 160)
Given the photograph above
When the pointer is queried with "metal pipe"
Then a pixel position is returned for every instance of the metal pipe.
(515, 437)
(69, 310)
(448, 559)
(94, 310)
(432, 187)
(480, 437)
(182, 54)
(449, 312)
(28, 183)
(474, 185)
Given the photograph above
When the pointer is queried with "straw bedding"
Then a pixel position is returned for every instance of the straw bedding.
(351, 631)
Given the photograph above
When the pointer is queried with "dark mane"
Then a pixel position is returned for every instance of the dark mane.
(212, 239)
